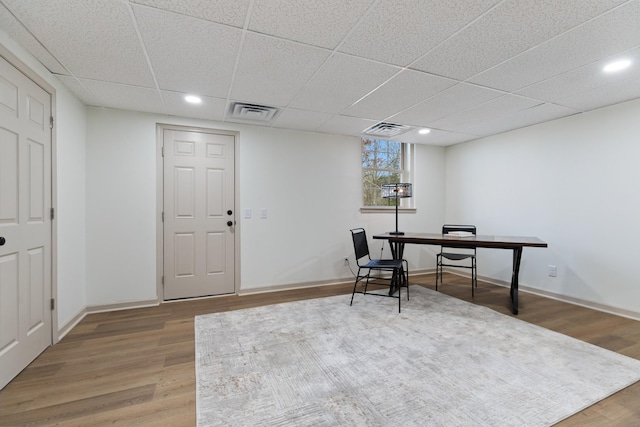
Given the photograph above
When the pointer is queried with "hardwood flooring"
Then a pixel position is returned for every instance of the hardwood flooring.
(136, 367)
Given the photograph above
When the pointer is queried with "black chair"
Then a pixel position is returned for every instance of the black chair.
(456, 255)
(399, 269)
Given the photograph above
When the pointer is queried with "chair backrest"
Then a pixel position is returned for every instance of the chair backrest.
(360, 245)
(450, 227)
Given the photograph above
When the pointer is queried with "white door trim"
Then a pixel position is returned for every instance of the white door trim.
(160, 127)
(37, 79)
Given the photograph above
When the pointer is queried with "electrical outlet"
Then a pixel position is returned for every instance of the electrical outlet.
(553, 270)
(346, 261)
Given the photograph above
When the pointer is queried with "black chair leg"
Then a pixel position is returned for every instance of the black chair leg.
(405, 276)
(398, 279)
(406, 280)
(355, 285)
(475, 274)
(354, 292)
(366, 284)
(474, 280)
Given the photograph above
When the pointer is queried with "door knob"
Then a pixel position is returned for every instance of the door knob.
(229, 212)
(2, 241)
(229, 223)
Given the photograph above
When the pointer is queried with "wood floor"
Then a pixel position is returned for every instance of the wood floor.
(136, 367)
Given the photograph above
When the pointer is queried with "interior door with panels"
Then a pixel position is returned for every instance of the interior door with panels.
(199, 217)
(25, 221)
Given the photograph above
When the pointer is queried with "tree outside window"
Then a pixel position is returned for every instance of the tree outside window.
(383, 162)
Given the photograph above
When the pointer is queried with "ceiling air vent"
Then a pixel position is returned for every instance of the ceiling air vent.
(386, 129)
(253, 112)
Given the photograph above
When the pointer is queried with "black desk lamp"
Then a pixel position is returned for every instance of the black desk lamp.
(396, 191)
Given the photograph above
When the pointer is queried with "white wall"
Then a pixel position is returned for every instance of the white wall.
(310, 189)
(121, 196)
(308, 182)
(311, 186)
(70, 133)
(569, 182)
(71, 119)
(573, 183)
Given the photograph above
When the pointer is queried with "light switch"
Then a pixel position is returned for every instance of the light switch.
(263, 213)
(247, 213)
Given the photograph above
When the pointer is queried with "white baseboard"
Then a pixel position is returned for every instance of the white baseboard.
(67, 327)
(291, 286)
(64, 330)
(622, 312)
(298, 285)
(122, 306)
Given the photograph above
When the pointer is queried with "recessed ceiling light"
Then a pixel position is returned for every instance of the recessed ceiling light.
(193, 99)
(617, 66)
(424, 131)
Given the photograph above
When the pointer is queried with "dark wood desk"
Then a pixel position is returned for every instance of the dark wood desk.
(397, 242)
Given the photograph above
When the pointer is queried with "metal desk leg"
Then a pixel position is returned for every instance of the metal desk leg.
(397, 252)
(517, 256)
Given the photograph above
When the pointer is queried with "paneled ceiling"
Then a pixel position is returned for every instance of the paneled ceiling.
(462, 68)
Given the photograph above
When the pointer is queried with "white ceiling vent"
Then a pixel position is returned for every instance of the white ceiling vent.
(386, 129)
(253, 112)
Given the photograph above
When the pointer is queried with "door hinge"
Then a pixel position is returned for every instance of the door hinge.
(162, 216)
(53, 304)
(162, 280)
(163, 151)
(52, 213)
(51, 122)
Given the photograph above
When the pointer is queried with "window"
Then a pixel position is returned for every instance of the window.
(384, 162)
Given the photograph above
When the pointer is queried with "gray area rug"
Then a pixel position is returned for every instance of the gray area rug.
(441, 362)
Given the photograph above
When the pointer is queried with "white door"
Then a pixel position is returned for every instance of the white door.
(25, 222)
(199, 199)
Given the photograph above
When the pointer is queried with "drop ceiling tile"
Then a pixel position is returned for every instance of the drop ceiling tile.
(230, 119)
(438, 137)
(125, 97)
(583, 79)
(607, 35)
(224, 12)
(17, 32)
(75, 34)
(321, 23)
(400, 32)
(80, 91)
(463, 121)
(340, 82)
(404, 90)
(194, 46)
(272, 71)
(531, 116)
(189, 55)
(498, 35)
(343, 125)
(292, 118)
(459, 97)
(210, 109)
(619, 91)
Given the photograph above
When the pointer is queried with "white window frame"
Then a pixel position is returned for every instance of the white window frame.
(407, 171)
